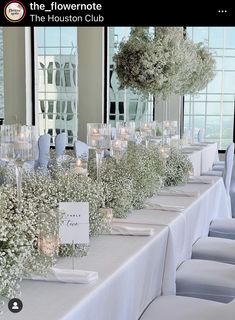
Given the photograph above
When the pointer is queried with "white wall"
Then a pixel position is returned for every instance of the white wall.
(90, 77)
(18, 107)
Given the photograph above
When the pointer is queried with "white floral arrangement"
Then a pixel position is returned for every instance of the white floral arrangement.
(178, 168)
(19, 230)
(164, 63)
(23, 223)
(127, 182)
(117, 185)
(146, 167)
(202, 70)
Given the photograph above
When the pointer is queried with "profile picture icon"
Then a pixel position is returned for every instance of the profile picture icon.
(14, 11)
(15, 305)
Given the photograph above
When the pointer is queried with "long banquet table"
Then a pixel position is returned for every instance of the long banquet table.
(202, 156)
(133, 270)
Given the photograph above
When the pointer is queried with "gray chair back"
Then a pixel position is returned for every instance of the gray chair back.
(200, 135)
(43, 150)
(228, 168)
(61, 140)
(81, 149)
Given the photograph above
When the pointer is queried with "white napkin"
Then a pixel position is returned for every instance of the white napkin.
(199, 180)
(163, 207)
(67, 276)
(199, 144)
(187, 152)
(131, 231)
(192, 148)
(179, 193)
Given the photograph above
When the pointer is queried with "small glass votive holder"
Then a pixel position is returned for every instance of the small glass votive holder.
(174, 143)
(48, 244)
(107, 214)
(164, 150)
(79, 166)
(118, 148)
(125, 130)
(148, 130)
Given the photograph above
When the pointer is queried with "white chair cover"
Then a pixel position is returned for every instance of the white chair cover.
(228, 168)
(185, 308)
(222, 228)
(232, 191)
(44, 150)
(200, 135)
(204, 279)
(216, 249)
(113, 133)
(81, 149)
(61, 140)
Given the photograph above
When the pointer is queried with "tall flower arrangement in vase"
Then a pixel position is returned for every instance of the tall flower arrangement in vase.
(163, 64)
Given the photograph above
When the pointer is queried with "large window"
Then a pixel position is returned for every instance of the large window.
(123, 105)
(1, 76)
(56, 81)
(213, 108)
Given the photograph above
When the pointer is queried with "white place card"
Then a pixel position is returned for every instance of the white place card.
(75, 225)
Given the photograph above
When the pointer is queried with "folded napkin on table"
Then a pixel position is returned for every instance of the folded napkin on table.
(130, 231)
(163, 207)
(192, 148)
(199, 144)
(200, 180)
(66, 275)
(179, 193)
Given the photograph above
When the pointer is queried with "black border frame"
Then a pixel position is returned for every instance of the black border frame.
(33, 73)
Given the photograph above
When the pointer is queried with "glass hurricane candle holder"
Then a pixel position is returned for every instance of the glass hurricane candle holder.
(118, 148)
(164, 150)
(80, 166)
(148, 130)
(25, 142)
(99, 138)
(48, 244)
(125, 130)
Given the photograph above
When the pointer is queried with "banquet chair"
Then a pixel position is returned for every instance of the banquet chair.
(228, 168)
(200, 135)
(225, 228)
(206, 279)
(81, 149)
(61, 140)
(113, 133)
(215, 249)
(222, 228)
(185, 308)
(44, 150)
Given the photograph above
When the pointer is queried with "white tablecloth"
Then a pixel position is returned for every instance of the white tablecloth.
(132, 270)
(130, 276)
(209, 156)
(195, 158)
(187, 226)
(202, 157)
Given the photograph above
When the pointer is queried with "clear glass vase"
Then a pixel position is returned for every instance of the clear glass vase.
(99, 138)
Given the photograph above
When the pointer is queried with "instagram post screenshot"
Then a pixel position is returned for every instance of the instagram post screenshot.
(117, 172)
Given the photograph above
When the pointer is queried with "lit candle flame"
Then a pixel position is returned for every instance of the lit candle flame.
(78, 163)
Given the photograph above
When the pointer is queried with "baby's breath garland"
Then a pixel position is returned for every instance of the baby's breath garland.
(19, 229)
(23, 223)
(178, 168)
(125, 184)
(145, 166)
(129, 181)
